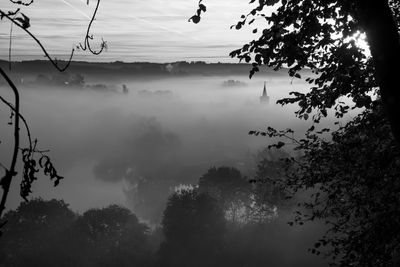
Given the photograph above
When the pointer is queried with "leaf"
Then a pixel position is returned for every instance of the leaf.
(195, 19)
(24, 21)
(202, 8)
(280, 144)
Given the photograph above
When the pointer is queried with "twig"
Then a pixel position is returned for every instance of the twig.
(9, 46)
(22, 118)
(86, 42)
(21, 3)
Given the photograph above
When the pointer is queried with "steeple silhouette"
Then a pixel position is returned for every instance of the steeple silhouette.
(264, 98)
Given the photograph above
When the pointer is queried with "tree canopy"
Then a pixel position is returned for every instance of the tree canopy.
(322, 36)
(194, 226)
(111, 236)
(229, 188)
(48, 233)
(354, 184)
(33, 230)
(351, 175)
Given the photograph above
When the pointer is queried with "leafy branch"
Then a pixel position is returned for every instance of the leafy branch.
(201, 9)
(31, 164)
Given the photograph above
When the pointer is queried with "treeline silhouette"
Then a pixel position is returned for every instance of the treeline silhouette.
(214, 223)
(138, 70)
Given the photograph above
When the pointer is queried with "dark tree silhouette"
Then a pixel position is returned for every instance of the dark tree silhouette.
(193, 226)
(111, 236)
(229, 188)
(355, 187)
(268, 194)
(351, 181)
(33, 159)
(353, 177)
(48, 233)
(35, 233)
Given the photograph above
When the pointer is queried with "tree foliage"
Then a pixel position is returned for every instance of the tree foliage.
(193, 226)
(355, 178)
(48, 233)
(33, 234)
(268, 194)
(352, 172)
(322, 36)
(112, 236)
(229, 188)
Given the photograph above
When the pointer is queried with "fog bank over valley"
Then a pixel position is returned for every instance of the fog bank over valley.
(121, 137)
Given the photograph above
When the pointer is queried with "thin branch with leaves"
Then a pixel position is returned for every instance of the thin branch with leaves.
(31, 164)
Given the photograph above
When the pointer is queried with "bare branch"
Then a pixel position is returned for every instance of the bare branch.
(19, 2)
(53, 61)
(20, 20)
(22, 118)
(88, 37)
(5, 182)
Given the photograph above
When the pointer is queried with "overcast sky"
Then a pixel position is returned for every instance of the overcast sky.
(135, 30)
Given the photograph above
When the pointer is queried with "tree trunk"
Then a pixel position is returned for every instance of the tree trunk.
(383, 38)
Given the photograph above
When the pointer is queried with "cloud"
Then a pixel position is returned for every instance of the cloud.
(146, 25)
(79, 11)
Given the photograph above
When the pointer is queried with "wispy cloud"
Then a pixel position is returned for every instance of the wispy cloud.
(156, 29)
(76, 9)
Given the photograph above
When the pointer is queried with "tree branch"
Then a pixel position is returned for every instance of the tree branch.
(22, 118)
(86, 42)
(5, 182)
(47, 55)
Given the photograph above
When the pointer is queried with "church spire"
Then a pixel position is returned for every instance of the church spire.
(264, 98)
(265, 89)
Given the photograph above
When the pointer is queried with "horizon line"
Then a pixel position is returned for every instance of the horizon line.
(127, 62)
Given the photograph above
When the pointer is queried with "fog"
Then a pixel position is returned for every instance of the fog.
(103, 141)
(133, 148)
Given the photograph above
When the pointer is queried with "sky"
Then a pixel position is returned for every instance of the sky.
(135, 30)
